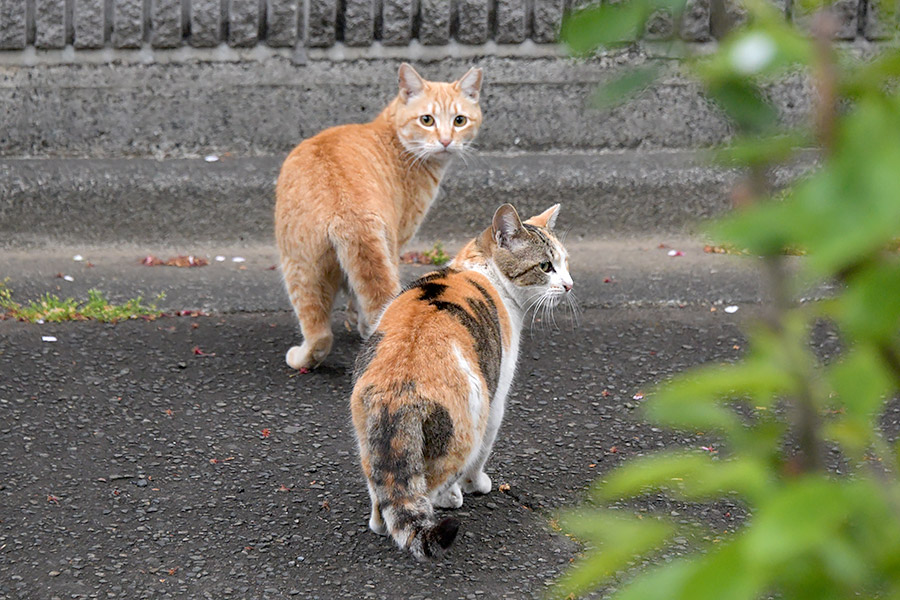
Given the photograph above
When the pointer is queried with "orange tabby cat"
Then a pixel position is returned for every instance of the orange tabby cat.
(430, 387)
(351, 196)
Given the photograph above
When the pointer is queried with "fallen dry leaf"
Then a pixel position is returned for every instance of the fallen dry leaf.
(503, 487)
(176, 261)
(151, 261)
(198, 352)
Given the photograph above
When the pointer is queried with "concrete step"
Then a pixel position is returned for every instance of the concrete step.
(181, 201)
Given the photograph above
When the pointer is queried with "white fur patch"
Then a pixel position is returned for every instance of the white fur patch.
(476, 395)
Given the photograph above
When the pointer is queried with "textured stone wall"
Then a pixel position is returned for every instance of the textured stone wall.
(91, 24)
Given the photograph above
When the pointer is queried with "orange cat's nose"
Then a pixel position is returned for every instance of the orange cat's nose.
(446, 142)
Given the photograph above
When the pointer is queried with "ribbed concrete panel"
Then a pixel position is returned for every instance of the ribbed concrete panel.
(512, 21)
(396, 22)
(50, 23)
(434, 22)
(547, 20)
(165, 23)
(474, 27)
(877, 26)
(847, 12)
(359, 22)
(322, 23)
(89, 24)
(660, 26)
(206, 23)
(243, 23)
(281, 22)
(12, 24)
(128, 23)
(695, 21)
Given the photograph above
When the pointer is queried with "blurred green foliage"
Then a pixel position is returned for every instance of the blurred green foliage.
(812, 533)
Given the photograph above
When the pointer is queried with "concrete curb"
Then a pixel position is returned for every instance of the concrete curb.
(53, 201)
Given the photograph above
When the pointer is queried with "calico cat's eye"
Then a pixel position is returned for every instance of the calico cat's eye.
(460, 120)
(427, 120)
(545, 266)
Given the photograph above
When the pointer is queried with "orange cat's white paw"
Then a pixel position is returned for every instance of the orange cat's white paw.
(450, 498)
(298, 358)
(480, 484)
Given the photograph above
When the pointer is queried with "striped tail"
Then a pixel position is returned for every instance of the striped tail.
(396, 446)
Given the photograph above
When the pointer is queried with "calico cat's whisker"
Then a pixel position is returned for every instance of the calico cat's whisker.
(576, 310)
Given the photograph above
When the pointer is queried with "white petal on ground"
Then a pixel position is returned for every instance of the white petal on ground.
(68, 278)
(238, 259)
(211, 158)
(48, 338)
(731, 309)
(78, 258)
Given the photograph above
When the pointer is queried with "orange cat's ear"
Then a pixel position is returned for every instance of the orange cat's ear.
(470, 84)
(547, 218)
(506, 226)
(411, 83)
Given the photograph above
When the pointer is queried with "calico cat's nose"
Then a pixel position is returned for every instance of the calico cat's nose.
(568, 286)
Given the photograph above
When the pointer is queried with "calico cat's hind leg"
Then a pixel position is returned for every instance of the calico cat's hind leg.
(476, 483)
(367, 257)
(448, 497)
(376, 520)
(311, 287)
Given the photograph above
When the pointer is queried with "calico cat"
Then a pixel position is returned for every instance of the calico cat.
(430, 385)
(348, 199)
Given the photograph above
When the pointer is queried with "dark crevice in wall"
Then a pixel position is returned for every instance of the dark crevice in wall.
(30, 25)
(185, 19)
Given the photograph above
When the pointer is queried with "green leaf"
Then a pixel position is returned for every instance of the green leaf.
(796, 521)
(618, 539)
(625, 85)
(605, 26)
(691, 401)
(744, 104)
(762, 151)
(862, 383)
(691, 476)
(865, 307)
(718, 574)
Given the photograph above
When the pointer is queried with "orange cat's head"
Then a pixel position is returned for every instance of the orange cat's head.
(434, 119)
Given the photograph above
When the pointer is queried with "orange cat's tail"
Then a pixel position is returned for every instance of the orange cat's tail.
(398, 479)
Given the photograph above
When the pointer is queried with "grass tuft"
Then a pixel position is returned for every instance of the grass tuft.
(51, 309)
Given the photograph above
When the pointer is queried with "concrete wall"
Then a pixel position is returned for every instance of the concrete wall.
(131, 24)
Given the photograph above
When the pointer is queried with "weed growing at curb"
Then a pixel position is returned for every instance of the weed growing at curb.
(50, 308)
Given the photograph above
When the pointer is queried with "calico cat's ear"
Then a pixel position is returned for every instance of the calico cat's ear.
(506, 227)
(470, 84)
(547, 218)
(411, 83)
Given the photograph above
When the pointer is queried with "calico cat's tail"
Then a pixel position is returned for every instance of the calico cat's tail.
(397, 459)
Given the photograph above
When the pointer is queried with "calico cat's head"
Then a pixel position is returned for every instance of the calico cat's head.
(530, 258)
(434, 119)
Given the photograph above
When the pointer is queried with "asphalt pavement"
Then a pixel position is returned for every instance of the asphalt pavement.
(181, 457)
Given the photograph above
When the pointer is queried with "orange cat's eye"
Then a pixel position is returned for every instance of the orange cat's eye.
(427, 120)
(460, 120)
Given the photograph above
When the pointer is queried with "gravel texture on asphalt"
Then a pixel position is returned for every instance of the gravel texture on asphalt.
(181, 458)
